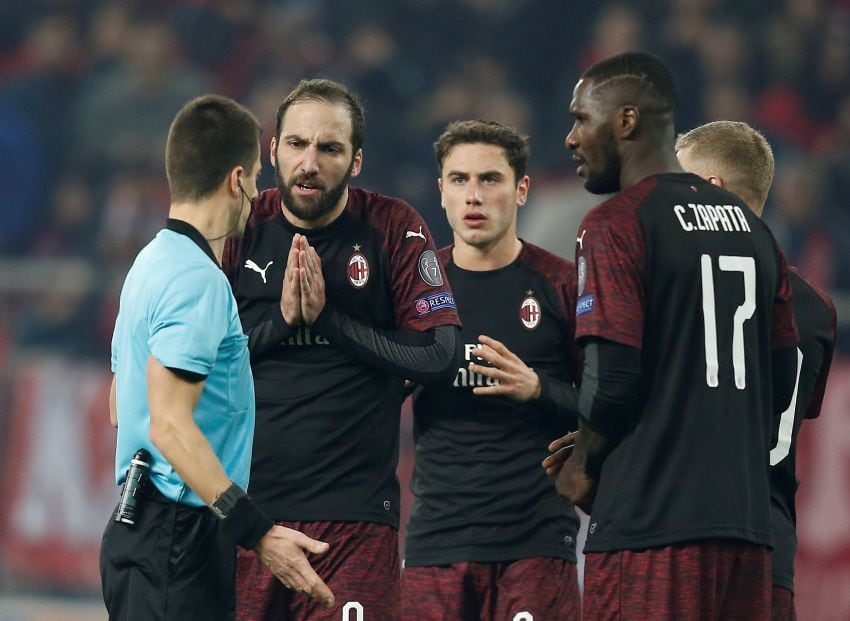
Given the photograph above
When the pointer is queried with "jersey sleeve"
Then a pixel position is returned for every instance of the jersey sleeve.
(421, 292)
(816, 400)
(610, 263)
(575, 354)
(188, 319)
(784, 333)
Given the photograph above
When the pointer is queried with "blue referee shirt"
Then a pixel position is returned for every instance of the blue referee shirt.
(177, 305)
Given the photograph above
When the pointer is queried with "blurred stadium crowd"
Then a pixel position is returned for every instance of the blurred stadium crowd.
(89, 87)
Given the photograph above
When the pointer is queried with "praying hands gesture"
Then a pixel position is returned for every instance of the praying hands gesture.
(303, 295)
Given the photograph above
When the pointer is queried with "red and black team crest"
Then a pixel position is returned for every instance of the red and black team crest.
(529, 311)
(358, 269)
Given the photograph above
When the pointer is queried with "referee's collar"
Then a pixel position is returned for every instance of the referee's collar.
(184, 228)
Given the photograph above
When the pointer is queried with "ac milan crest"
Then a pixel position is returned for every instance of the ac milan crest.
(358, 269)
(529, 312)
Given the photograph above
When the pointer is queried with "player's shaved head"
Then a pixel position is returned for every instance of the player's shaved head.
(635, 77)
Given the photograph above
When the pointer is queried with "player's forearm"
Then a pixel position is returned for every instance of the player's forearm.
(591, 450)
(428, 358)
(609, 387)
(558, 398)
(175, 434)
(270, 331)
(113, 401)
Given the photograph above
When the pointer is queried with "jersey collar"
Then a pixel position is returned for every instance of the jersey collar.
(184, 228)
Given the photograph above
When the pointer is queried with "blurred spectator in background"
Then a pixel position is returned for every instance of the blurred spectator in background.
(121, 113)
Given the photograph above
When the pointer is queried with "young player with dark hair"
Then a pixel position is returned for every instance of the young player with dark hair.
(488, 537)
(684, 314)
(343, 298)
(735, 156)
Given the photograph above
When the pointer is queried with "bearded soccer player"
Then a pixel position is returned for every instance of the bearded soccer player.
(684, 311)
(735, 156)
(488, 537)
(343, 298)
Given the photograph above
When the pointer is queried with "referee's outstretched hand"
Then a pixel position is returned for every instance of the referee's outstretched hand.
(283, 551)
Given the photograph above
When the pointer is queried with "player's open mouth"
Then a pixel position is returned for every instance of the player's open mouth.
(581, 165)
(307, 188)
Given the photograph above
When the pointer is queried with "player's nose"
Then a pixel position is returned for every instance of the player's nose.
(310, 160)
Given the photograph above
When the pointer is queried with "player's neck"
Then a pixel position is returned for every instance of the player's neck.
(210, 219)
(647, 161)
(477, 259)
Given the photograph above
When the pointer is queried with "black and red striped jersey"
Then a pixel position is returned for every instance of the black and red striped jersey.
(684, 272)
(816, 322)
(480, 492)
(326, 439)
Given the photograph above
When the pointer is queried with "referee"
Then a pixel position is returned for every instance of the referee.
(182, 390)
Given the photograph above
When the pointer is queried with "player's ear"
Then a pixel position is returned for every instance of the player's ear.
(522, 190)
(440, 185)
(357, 164)
(715, 180)
(273, 151)
(627, 120)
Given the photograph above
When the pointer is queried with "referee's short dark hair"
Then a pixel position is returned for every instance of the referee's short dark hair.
(475, 131)
(208, 138)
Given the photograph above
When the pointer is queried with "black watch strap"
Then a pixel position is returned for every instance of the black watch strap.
(242, 520)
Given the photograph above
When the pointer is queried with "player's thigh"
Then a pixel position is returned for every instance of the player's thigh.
(782, 605)
(660, 583)
(439, 593)
(537, 589)
(748, 587)
(361, 568)
(260, 595)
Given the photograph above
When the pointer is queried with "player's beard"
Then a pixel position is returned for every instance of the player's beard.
(607, 181)
(305, 208)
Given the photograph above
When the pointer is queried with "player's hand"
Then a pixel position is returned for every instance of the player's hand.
(560, 450)
(283, 551)
(312, 283)
(574, 483)
(516, 380)
(290, 298)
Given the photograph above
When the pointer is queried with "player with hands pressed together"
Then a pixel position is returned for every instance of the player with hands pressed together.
(348, 307)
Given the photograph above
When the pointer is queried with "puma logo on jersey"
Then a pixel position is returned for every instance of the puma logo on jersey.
(580, 240)
(410, 234)
(253, 266)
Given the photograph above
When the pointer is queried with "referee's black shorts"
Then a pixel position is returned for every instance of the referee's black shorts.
(174, 564)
